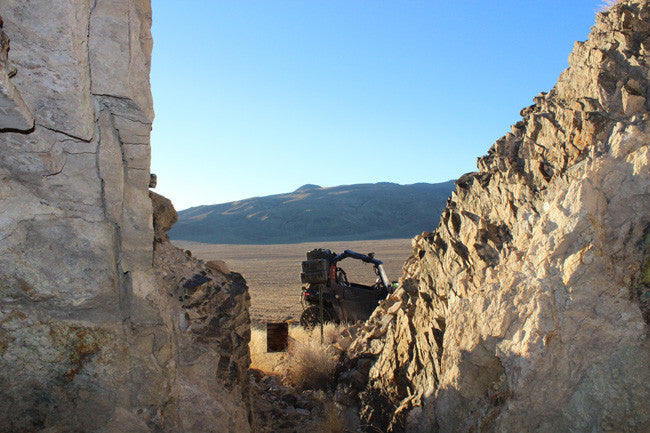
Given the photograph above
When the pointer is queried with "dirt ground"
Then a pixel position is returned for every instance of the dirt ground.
(273, 271)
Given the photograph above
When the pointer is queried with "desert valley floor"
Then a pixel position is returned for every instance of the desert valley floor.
(273, 271)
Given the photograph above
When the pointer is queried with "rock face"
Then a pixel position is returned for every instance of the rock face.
(527, 308)
(207, 310)
(14, 113)
(90, 338)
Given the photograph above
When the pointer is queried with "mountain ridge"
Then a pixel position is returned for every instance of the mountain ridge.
(366, 211)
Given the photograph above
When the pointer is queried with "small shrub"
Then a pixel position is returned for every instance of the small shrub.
(258, 341)
(331, 333)
(332, 419)
(310, 365)
(298, 333)
(307, 364)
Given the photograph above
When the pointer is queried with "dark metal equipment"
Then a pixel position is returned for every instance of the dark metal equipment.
(328, 295)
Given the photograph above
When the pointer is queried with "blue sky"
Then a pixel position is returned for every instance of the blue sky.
(260, 97)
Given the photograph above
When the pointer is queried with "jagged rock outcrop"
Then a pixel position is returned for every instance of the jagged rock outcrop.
(207, 310)
(527, 308)
(90, 338)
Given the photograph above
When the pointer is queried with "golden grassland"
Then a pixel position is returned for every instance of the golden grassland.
(273, 271)
(307, 364)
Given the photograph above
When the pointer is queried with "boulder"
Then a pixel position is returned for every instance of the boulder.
(164, 216)
(218, 266)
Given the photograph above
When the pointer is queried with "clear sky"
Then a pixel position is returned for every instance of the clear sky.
(260, 97)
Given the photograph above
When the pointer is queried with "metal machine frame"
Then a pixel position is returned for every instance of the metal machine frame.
(329, 296)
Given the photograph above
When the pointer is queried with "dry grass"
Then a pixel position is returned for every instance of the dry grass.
(310, 365)
(270, 363)
(273, 271)
(307, 364)
(332, 419)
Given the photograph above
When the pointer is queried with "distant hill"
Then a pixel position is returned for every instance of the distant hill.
(311, 213)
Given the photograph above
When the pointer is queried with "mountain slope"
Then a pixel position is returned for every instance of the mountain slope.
(311, 213)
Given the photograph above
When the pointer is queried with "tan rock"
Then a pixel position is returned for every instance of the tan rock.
(633, 101)
(120, 47)
(528, 310)
(97, 334)
(56, 88)
(164, 215)
(219, 266)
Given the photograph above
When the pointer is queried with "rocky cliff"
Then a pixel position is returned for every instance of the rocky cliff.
(96, 332)
(527, 308)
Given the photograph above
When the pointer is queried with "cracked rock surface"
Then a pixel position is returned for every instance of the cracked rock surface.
(93, 336)
(527, 308)
(14, 114)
